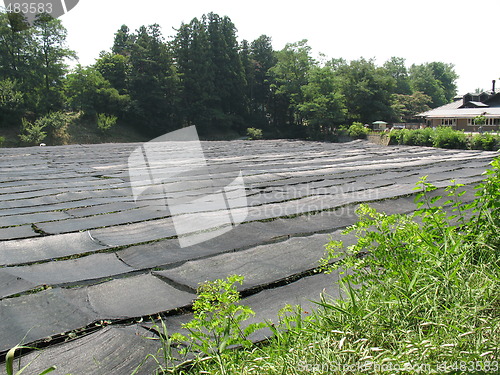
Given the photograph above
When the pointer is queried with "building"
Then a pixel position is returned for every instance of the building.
(461, 113)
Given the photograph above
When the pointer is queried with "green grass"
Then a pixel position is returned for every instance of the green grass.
(10, 367)
(424, 298)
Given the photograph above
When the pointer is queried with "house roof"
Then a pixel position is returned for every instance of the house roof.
(453, 110)
(478, 104)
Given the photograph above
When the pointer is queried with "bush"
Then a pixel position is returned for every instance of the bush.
(32, 133)
(357, 130)
(486, 142)
(254, 133)
(419, 137)
(396, 136)
(105, 122)
(2, 140)
(448, 138)
(57, 124)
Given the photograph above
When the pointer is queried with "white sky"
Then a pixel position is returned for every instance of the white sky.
(464, 33)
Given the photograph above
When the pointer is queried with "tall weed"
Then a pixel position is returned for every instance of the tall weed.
(428, 285)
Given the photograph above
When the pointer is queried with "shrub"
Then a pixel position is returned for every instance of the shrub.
(396, 136)
(418, 137)
(446, 137)
(2, 140)
(486, 141)
(105, 122)
(32, 133)
(254, 133)
(215, 327)
(357, 130)
(57, 124)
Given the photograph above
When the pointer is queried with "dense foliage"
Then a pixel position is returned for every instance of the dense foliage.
(444, 137)
(203, 76)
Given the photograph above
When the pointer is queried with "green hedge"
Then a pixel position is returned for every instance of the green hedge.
(444, 137)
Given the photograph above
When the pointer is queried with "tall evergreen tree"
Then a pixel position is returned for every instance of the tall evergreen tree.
(229, 81)
(123, 41)
(195, 72)
(153, 82)
(263, 58)
(211, 73)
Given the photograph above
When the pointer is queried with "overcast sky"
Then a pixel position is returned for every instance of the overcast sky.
(458, 32)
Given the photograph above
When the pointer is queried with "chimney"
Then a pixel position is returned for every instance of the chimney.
(493, 89)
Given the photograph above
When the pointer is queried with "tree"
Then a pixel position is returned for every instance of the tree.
(17, 46)
(153, 82)
(249, 74)
(437, 80)
(123, 41)
(11, 101)
(396, 68)
(116, 69)
(229, 80)
(367, 90)
(406, 107)
(211, 74)
(34, 58)
(88, 91)
(323, 107)
(195, 72)
(446, 75)
(262, 59)
(50, 68)
(288, 76)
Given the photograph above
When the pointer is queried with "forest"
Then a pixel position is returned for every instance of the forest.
(203, 76)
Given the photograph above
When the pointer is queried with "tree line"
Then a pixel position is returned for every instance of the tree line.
(203, 76)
